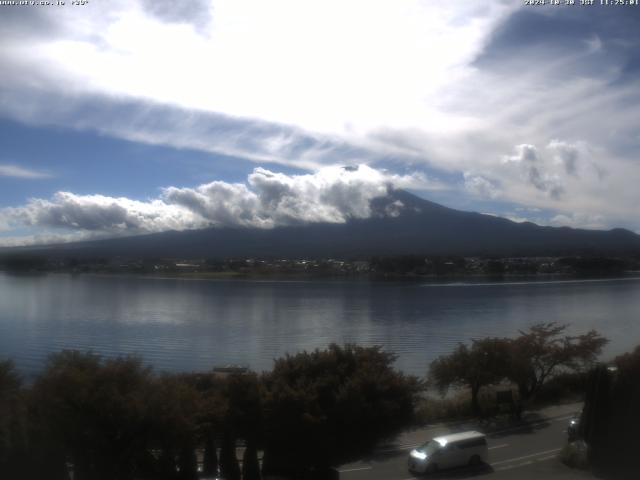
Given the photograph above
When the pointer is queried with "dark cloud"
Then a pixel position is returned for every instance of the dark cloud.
(567, 155)
(271, 190)
(562, 28)
(529, 153)
(532, 35)
(535, 169)
(544, 183)
(27, 23)
(195, 12)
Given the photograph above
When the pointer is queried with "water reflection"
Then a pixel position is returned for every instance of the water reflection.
(178, 324)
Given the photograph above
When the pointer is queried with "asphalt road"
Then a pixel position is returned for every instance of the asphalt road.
(526, 451)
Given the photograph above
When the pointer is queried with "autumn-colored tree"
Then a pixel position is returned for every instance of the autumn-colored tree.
(484, 363)
(544, 350)
(529, 360)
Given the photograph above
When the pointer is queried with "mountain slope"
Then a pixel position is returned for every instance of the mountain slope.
(401, 224)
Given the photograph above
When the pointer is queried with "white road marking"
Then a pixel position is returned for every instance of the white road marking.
(546, 458)
(510, 460)
(499, 446)
(524, 464)
(357, 469)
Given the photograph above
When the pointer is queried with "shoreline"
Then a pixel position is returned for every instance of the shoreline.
(474, 279)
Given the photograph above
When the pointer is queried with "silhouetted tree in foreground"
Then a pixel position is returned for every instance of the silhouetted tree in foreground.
(229, 466)
(96, 411)
(112, 419)
(611, 417)
(250, 463)
(210, 456)
(174, 412)
(242, 419)
(327, 406)
(115, 419)
(210, 416)
(13, 427)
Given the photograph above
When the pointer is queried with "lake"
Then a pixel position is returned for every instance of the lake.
(191, 324)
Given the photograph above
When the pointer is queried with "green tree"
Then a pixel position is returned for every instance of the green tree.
(484, 363)
(96, 411)
(328, 406)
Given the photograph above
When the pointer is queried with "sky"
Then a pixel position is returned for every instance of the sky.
(138, 116)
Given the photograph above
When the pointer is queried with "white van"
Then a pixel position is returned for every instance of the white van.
(455, 450)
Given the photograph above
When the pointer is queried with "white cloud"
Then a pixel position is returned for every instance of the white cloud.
(332, 68)
(267, 200)
(49, 238)
(522, 154)
(303, 83)
(16, 171)
(579, 220)
(316, 65)
(586, 220)
(526, 167)
(518, 219)
(480, 186)
(100, 213)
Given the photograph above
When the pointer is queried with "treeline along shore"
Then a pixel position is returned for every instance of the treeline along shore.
(403, 266)
(115, 418)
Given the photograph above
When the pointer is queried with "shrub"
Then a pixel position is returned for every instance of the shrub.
(575, 455)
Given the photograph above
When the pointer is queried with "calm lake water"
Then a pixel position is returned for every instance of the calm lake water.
(182, 324)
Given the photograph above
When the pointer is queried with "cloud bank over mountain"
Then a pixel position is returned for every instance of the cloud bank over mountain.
(265, 200)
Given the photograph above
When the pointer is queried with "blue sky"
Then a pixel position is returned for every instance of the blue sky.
(129, 117)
